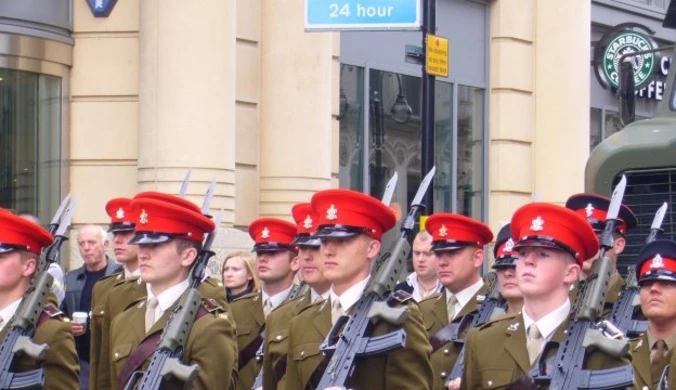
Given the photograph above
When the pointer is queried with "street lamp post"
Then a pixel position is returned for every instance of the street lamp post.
(427, 138)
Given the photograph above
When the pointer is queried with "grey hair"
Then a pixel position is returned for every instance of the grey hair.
(101, 231)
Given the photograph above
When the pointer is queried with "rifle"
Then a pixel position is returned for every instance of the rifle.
(25, 321)
(565, 370)
(492, 306)
(355, 342)
(623, 310)
(166, 360)
(664, 383)
(386, 199)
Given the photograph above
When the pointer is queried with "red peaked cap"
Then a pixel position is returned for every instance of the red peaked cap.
(657, 261)
(346, 213)
(306, 224)
(17, 233)
(158, 221)
(454, 231)
(551, 226)
(119, 211)
(177, 200)
(272, 235)
(505, 255)
(594, 208)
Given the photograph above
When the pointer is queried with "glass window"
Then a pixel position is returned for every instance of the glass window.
(662, 4)
(470, 151)
(30, 142)
(351, 118)
(443, 147)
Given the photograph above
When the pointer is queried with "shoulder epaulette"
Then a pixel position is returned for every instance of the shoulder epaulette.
(399, 297)
(508, 317)
(434, 296)
(211, 305)
(213, 281)
(52, 311)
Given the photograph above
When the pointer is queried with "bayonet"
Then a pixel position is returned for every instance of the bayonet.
(206, 205)
(57, 216)
(656, 227)
(184, 185)
(389, 189)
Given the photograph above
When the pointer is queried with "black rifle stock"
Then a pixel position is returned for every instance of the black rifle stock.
(564, 371)
(355, 340)
(166, 360)
(18, 339)
(623, 310)
(492, 306)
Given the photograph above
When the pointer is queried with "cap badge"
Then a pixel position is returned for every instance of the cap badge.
(265, 233)
(509, 245)
(657, 262)
(332, 213)
(589, 209)
(537, 224)
(443, 231)
(307, 223)
(143, 217)
(119, 214)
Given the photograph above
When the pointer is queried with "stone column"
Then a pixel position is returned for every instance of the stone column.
(187, 98)
(562, 57)
(299, 101)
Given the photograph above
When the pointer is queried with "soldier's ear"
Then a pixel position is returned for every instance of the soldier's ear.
(572, 273)
(372, 249)
(619, 244)
(188, 256)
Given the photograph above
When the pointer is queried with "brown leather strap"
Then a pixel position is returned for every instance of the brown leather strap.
(144, 351)
(443, 336)
(249, 352)
(280, 368)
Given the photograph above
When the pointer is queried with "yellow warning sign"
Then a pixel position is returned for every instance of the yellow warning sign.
(436, 56)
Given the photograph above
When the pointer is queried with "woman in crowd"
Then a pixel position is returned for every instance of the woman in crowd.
(239, 276)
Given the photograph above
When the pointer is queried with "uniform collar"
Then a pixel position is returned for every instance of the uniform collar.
(412, 281)
(351, 296)
(465, 295)
(670, 341)
(314, 295)
(278, 298)
(8, 312)
(169, 296)
(548, 324)
(129, 275)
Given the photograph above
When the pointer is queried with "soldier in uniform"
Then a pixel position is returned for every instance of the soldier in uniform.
(657, 280)
(594, 208)
(312, 272)
(21, 242)
(458, 243)
(170, 239)
(122, 228)
(277, 265)
(553, 242)
(350, 227)
(505, 266)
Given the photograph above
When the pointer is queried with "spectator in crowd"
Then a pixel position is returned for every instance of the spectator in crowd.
(238, 273)
(424, 281)
(92, 242)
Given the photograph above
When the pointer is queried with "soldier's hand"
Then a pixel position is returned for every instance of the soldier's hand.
(77, 328)
(454, 384)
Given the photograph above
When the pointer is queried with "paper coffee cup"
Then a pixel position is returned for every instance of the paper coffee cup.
(80, 317)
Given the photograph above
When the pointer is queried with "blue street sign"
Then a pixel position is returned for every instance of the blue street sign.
(101, 8)
(345, 15)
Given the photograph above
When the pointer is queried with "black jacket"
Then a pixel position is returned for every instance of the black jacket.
(75, 282)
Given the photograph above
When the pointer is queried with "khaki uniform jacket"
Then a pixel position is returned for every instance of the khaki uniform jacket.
(435, 317)
(276, 338)
(407, 368)
(616, 284)
(211, 345)
(250, 319)
(100, 295)
(61, 364)
(497, 356)
(640, 360)
(120, 296)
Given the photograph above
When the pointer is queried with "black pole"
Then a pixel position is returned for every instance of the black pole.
(427, 136)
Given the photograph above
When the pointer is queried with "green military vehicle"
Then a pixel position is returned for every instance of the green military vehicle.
(644, 151)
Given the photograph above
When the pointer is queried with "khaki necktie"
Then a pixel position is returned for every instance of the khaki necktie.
(150, 313)
(336, 311)
(657, 363)
(534, 343)
(451, 307)
(267, 307)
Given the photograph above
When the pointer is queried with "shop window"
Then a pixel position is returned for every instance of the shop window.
(30, 142)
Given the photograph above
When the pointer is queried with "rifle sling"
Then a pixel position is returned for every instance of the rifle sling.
(249, 352)
(144, 351)
(443, 336)
(280, 368)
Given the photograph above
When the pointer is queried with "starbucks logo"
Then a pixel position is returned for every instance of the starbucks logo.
(627, 42)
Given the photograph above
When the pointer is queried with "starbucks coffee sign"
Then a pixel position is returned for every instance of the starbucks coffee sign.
(620, 43)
